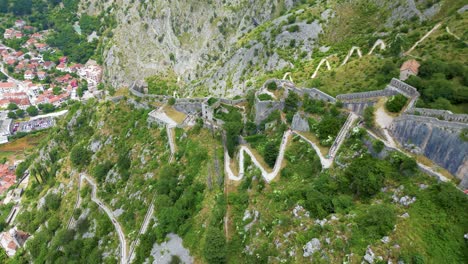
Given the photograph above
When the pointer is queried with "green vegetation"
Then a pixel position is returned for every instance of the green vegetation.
(396, 103)
(265, 97)
(434, 74)
(162, 85)
(369, 116)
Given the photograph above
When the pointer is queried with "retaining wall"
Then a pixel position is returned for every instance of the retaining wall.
(366, 95)
(403, 88)
(439, 114)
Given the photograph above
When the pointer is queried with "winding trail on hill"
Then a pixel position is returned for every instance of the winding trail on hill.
(350, 53)
(269, 176)
(423, 38)
(118, 227)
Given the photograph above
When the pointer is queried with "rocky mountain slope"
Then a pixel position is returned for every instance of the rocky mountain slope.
(222, 48)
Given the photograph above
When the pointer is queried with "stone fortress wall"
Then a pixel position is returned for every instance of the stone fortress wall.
(433, 133)
(439, 114)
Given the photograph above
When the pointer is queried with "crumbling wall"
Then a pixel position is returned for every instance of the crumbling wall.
(264, 108)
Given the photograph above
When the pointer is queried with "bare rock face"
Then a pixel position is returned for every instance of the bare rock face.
(197, 42)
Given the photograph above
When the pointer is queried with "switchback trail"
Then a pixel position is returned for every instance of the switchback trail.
(269, 176)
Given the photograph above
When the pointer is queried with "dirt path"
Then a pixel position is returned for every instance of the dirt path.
(118, 227)
(423, 38)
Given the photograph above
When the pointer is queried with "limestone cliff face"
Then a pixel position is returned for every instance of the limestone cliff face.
(442, 144)
(188, 38)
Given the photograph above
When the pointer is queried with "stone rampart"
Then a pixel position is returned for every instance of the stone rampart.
(232, 102)
(431, 120)
(188, 107)
(439, 114)
(358, 107)
(313, 93)
(264, 108)
(436, 139)
(403, 88)
(366, 95)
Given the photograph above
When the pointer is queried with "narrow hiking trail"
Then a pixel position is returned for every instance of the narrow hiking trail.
(118, 227)
(423, 38)
(269, 176)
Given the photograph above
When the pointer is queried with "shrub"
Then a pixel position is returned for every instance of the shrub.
(293, 28)
(265, 97)
(271, 153)
(378, 146)
(396, 103)
(369, 116)
(378, 221)
(272, 86)
(365, 176)
(80, 156)
(215, 249)
(171, 101)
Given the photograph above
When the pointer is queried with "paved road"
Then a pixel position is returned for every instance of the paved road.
(118, 228)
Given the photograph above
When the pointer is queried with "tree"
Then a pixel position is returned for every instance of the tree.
(12, 106)
(32, 110)
(369, 116)
(57, 90)
(46, 108)
(101, 170)
(52, 201)
(12, 115)
(396, 103)
(80, 156)
(215, 249)
(233, 130)
(22, 7)
(378, 221)
(4, 6)
(171, 101)
(365, 177)
(290, 104)
(271, 153)
(20, 113)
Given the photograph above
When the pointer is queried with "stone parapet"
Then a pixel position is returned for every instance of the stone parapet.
(439, 114)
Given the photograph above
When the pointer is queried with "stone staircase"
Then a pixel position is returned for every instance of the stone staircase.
(342, 135)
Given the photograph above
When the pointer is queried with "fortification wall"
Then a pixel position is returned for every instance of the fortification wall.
(403, 88)
(439, 114)
(264, 108)
(358, 107)
(366, 95)
(232, 102)
(431, 120)
(436, 139)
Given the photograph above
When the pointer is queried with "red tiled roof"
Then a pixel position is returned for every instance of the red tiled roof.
(411, 65)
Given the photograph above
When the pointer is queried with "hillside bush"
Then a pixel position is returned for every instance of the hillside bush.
(80, 156)
(396, 103)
